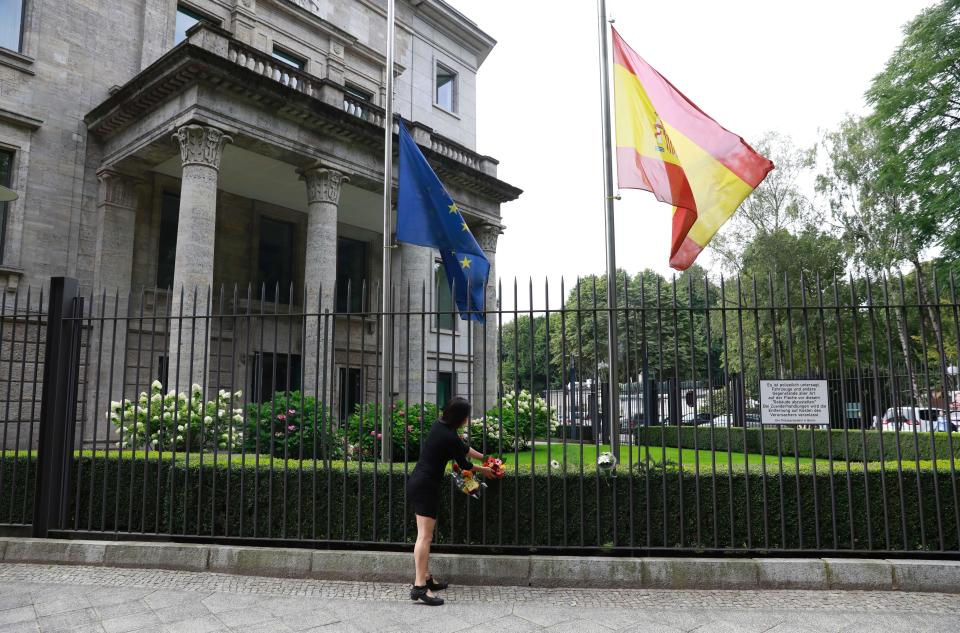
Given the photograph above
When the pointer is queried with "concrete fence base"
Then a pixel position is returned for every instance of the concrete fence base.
(535, 571)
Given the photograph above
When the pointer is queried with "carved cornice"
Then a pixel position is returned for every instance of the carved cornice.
(189, 64)
(201, 145)
(118, 189)
(323, 183)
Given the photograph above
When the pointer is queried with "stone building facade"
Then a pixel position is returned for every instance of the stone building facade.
(224, 157)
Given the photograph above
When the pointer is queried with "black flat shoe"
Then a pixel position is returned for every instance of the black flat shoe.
(433, 585)
(420, 593)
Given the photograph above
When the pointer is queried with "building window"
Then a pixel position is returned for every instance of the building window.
(358, 93)
(351, 274)
(6, 179)
(446, 96)
(445, 386)
(446, 312)
(288, 58)
(186, 18)
(167, 246)
(274, 373)
(162, 370)
(11, 24)
(275, 259)
(351, 391)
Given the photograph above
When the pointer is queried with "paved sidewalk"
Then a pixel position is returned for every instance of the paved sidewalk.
(52, 598)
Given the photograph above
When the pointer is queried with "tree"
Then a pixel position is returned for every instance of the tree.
(524, 359)
(661, 320)
(871, 202)
(778, 204)
(916, 101)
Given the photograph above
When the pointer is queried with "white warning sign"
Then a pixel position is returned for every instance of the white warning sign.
(794, 402)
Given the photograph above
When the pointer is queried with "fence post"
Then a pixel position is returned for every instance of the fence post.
(58, 407)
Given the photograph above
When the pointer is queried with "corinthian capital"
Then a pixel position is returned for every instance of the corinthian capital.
(201, 145)
(486, 235)
(117, 189)
(323, 183)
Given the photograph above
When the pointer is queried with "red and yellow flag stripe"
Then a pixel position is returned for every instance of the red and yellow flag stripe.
(668, 146)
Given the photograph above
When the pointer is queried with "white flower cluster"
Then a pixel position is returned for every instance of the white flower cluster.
(176, 421)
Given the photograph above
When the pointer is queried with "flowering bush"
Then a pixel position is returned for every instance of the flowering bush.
(487, 437)
(364, 433)
(174, 421)
(521, 411)
(292, 426)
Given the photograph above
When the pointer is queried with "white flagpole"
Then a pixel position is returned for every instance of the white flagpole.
(386, 356)
(613, 393)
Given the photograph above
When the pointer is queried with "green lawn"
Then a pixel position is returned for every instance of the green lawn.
(542, 454)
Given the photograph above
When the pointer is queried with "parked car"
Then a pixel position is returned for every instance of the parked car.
(752, 420)
(910, 418)
(949, 422)
(696, 419)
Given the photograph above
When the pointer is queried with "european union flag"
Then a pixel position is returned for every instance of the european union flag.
(428, 216)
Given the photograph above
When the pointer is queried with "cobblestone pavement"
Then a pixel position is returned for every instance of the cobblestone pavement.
(106, 600)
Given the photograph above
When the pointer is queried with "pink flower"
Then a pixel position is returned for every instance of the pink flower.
(379, 436)
(402, 414)
(292, 427)
(409, 428)
(373, 433)
(291, 411)
(281, 417)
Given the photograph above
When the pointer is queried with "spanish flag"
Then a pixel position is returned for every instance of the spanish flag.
(666, 145)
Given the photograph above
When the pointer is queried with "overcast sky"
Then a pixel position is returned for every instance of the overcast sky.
(793, 67)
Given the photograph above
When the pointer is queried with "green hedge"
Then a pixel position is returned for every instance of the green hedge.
(818, 443)
(532, 509)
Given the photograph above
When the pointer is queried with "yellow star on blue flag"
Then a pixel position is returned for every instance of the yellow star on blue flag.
(428, 216)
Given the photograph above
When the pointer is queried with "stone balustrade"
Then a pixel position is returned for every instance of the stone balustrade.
(263, 64)
(267, 66)
(363, 109)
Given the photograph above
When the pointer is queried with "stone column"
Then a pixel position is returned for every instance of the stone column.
(485, 378)
(320, 268)
(112, 273)
(201, 148)
(415, 285)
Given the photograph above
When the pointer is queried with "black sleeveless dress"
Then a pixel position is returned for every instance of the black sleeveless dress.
(441, 445)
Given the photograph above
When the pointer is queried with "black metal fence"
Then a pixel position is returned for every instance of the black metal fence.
(225, 415)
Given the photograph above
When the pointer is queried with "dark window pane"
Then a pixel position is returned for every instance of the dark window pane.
(445, 385)
(6, 179)
(446, 89)
(289, 58)
(273, 373)
(185, 19)
(351, 273)
(275, 260)
(351, 391)
(358, 93)
(445, 309)
(167, 249)
(162, 370)
(11, 16)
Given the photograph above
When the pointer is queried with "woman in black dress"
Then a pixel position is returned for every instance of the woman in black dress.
(441, 445)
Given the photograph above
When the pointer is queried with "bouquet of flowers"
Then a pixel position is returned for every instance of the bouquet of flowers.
(467, 482)
(496, 465)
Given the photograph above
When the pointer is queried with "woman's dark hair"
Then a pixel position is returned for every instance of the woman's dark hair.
(456, 412)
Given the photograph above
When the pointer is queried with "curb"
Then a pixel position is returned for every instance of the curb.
(468, 569)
